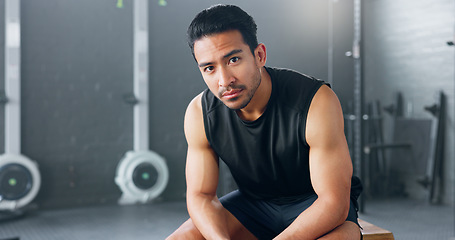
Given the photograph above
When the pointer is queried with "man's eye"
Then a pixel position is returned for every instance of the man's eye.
(233, 60)
(208, 69)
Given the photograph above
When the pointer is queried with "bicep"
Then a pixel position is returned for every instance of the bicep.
(201, 162)
(330, 162)
(201, 171)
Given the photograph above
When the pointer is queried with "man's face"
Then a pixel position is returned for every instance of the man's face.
(230, 70)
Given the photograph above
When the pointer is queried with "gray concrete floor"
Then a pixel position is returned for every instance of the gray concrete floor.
(407, 219)
(411, 219)
(151, 221)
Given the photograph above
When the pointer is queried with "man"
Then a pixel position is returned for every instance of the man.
(281, 134)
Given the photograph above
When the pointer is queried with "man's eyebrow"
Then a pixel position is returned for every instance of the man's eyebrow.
(205, 64)
(235, 51)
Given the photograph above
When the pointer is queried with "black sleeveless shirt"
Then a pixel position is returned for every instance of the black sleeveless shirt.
(268, 157)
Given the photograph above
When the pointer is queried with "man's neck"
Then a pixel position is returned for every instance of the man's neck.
(258, 103)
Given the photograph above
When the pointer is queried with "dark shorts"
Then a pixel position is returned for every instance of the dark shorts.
(266, 219)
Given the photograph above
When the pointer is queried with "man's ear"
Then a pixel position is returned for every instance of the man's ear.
(260, 54)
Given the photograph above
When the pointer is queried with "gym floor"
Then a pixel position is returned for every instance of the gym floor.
(407, 219)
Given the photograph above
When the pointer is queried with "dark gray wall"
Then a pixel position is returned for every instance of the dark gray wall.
(77, 65)
(405, 50)
(2, 72)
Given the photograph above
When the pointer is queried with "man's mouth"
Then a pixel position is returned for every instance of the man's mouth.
(231, 93)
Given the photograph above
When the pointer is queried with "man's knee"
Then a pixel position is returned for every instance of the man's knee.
(347, 230)
(186, 231)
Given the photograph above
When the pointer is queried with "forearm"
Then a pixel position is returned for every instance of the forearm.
(208, 215)
(320, 218)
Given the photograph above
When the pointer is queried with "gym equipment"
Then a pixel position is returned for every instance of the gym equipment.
(375, 164)
(357, 125)
(377, 169)
(396, 110)
(142, 175)
(20, 179)
(434, 176)
(418, 148)
(354, 123)
(411, 159)
(417, 133)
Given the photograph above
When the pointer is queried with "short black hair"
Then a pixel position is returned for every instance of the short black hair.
(221, 18)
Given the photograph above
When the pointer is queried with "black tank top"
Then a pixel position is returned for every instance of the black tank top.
(268, 157)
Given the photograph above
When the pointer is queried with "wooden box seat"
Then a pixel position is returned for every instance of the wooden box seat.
(372, 232)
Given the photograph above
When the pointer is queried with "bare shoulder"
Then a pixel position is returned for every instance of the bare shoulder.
(325, 116)
(325, 97)
(195, 106)
(194, 123)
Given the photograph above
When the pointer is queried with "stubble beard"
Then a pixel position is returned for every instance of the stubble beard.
(250, 93)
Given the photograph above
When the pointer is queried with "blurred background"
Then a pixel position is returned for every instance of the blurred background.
(77, 110)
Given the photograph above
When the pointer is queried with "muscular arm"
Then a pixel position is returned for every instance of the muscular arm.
(205, 209)
(330, 169)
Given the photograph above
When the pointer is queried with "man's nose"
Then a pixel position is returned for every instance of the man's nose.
(225, 78)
